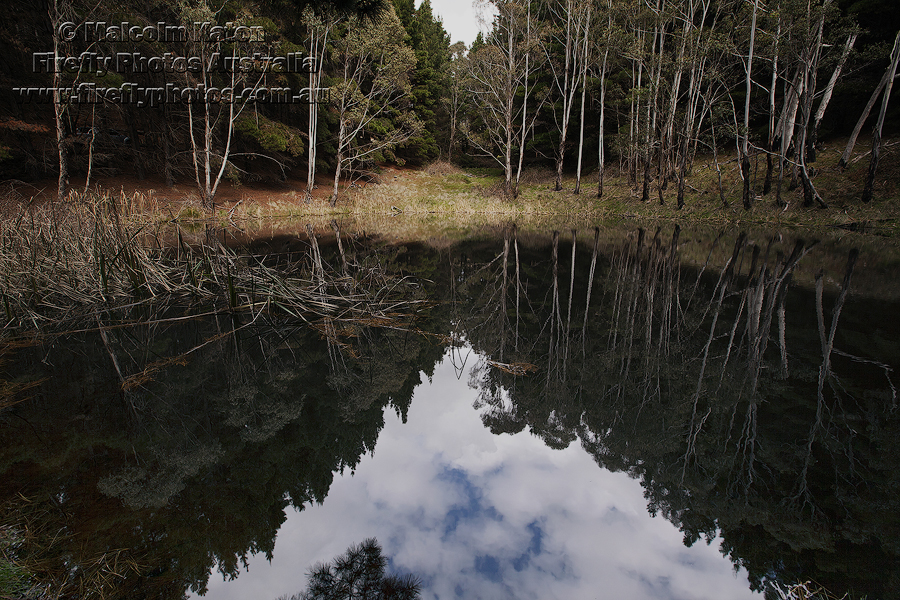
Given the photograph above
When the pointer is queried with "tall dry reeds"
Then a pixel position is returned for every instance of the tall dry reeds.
(61, 264)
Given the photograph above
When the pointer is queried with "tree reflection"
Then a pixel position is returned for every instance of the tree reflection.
(135, 477)
(751, 396)
(678, 384)
(358, 574)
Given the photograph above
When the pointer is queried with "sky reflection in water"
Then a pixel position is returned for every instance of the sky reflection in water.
(482, 516)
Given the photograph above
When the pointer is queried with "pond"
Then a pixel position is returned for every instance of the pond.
(628, 411)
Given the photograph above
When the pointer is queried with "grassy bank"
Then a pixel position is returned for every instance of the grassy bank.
(458, 194)
(443, 197)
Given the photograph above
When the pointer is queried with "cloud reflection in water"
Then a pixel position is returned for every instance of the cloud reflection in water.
(482, 516)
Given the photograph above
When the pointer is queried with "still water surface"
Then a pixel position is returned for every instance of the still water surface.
(630, 412)
(477, 515)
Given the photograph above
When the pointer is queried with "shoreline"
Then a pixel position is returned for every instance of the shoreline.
(462, 197)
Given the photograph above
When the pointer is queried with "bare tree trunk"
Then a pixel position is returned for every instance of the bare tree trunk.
(810, 69)
(342, 132)
(168, 168)
(876, 136)
(87, 179)
(311, 126)
(786, 123)
(669, 131)
(656, 49)
(507, 159)
(568, 88)
(767, 185)
(689, 118)
(317, 51)
(716, 161)
(695, 81)
(524, 132)
(845, 157)
(826, 96)
(584, 70)
(312, 134)
(59, 110)
(745, 141)
(634, 119)
(601, 152)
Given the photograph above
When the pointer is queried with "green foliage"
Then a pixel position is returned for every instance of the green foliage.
(371, 97)
(425, 34)
(271, 135)
(477, 44)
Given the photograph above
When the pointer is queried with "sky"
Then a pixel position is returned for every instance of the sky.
(460, 18)
(498, 517)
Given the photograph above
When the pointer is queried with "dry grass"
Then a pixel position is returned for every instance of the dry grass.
(55, 258)
(470, 199)
(442, 168)
(68, 265)
(467, 198)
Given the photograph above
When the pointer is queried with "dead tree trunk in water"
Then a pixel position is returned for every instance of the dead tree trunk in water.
(556, 313)
(670, 281)
(518, 284)
(503, 290)
(337, 236)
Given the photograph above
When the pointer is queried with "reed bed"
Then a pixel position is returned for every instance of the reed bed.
(62, 266)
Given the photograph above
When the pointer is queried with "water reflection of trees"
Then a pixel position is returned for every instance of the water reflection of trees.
(751, 394)
(728, 389)
(153, 453)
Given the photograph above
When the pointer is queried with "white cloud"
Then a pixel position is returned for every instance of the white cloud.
(460, 18)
